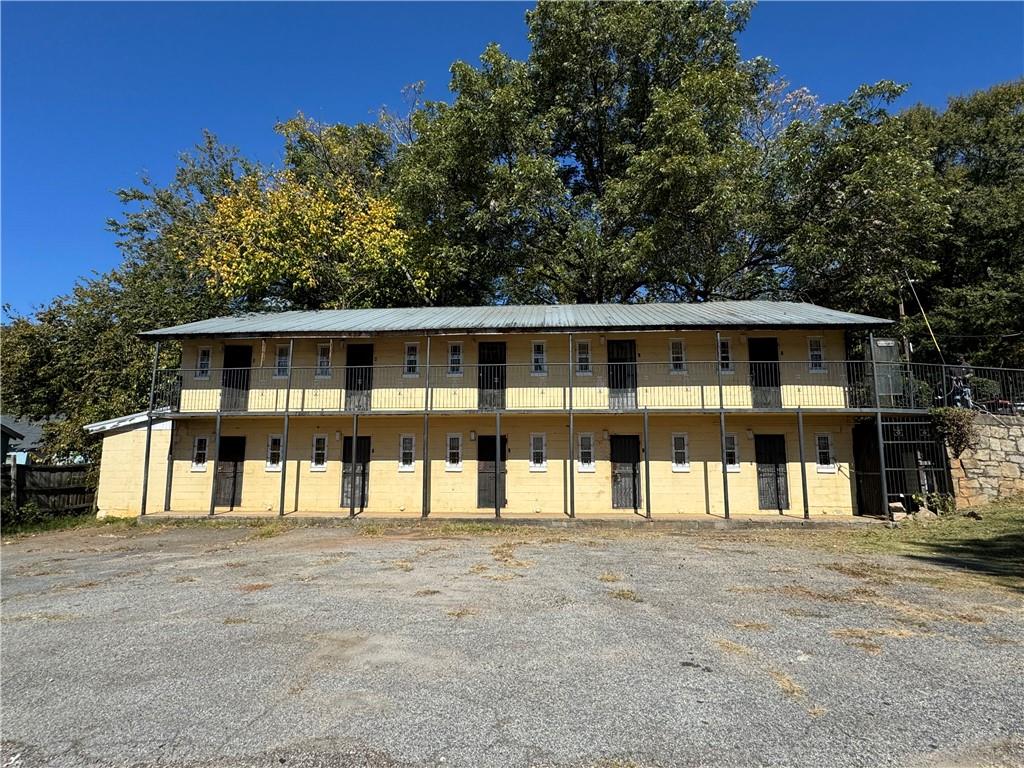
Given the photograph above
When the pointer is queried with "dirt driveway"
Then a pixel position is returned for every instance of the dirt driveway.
(324, 646)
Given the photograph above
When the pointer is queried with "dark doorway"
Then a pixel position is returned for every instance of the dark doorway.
(772, 485)
(227, 476)
(486, 462)
(362, 475)
(765, 378)
(625, 472)
(622, 375)
(358, 376)
(235, 377)
(491, 377)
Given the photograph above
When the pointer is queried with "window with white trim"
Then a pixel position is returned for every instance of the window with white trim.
(203, 355)
(318, 461)
(200, 452)
(584, 359)
(825, 456)
(815, 354)
(677, 355)
(732, 453)
(453, 452)
(680, 452)
(540, 359)
(412, 359)
(538, 452)
(323, 361)
(283, 361)
(725, 356)
(407, 453)
(585, 454)
(274, 443)
(455, 358)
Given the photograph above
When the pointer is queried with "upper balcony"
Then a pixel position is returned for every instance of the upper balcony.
(829, 385)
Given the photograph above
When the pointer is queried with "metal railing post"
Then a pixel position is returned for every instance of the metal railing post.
(149, 430)
(216, 464)
(803, 462)
(883, 481)
(425, 504)
(352, 465)
(721, 421)
(284, 437)
(647, 467)
(497, 464)
(572, 436)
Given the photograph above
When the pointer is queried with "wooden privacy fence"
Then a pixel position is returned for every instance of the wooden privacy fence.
(57, 489)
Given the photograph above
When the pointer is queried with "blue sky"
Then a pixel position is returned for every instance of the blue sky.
(94, 94)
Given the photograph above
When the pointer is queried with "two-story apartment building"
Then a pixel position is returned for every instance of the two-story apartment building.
(523, 411)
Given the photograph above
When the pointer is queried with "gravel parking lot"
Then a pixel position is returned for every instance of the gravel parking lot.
(198, 646)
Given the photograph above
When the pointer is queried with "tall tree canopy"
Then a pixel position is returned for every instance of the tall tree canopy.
(633, 156)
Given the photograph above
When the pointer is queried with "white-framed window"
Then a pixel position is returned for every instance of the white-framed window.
(453, 452)
(318, 459)
(203, 356)
(274, 444)
(732, 453)
(677, 355)
(412, 359)
(680, 452)
(323, 361)
(200, 453)
(585, 461)
(584, 358)
(455, 358)
(825, 457)
(282, 361)
(538, 452)
(539, 365)
(815, 354)
(725, 356)
(407, 453)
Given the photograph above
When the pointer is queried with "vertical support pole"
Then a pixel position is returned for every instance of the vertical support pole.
(425, 505)
(803, 463)
(284, 437)
(149, 430)
(572, 435)
(883, 482)
(352, 465)
(216, 465)
(497, 464)
(721, 422)
(647, 467)
(170, 468)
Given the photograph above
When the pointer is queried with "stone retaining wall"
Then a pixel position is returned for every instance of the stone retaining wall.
(994, 468)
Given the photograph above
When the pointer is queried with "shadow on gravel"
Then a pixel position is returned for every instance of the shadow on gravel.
(1000, 557)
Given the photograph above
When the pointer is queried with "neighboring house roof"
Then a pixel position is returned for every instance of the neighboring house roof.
(121, 422)
(26, 434)
(532, 318)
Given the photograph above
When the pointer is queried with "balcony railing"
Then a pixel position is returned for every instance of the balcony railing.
(701, 385)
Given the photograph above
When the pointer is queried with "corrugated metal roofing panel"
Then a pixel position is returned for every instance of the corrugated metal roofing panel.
(563, 317)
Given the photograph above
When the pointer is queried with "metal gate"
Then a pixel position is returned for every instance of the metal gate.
(486, 462)
(228, 472)
(915, 459)
(772, 482)
(625, 472)
(362, 473)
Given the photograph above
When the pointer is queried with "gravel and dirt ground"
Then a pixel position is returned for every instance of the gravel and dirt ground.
(466, 646)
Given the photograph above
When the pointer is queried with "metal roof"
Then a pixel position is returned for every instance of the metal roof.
(519, 318)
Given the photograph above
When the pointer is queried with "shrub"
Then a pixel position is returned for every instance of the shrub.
(955, 427)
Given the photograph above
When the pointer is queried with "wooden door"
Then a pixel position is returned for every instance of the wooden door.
(765, 378)
(228, 472)
(625, 472)
(486, 463)
(491, 381)
(358, 377)
(622, 375)
(235, 377)
(772, 484)
(362, 472)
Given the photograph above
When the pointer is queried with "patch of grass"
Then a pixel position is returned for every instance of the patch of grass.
(609, 578)
(426, 592)
(270, 530)
(736, 649)
(37, 617)
(232, 620)
(86, 584)
(478, 568)
(185, 579)
(66, 523)
(234, 564)
(803, 613)
(401, 565)
(625, 594)
(753, 626)
(255, 587)
(786, 683)
(461, 613)
(506, 555)
(817, 711)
